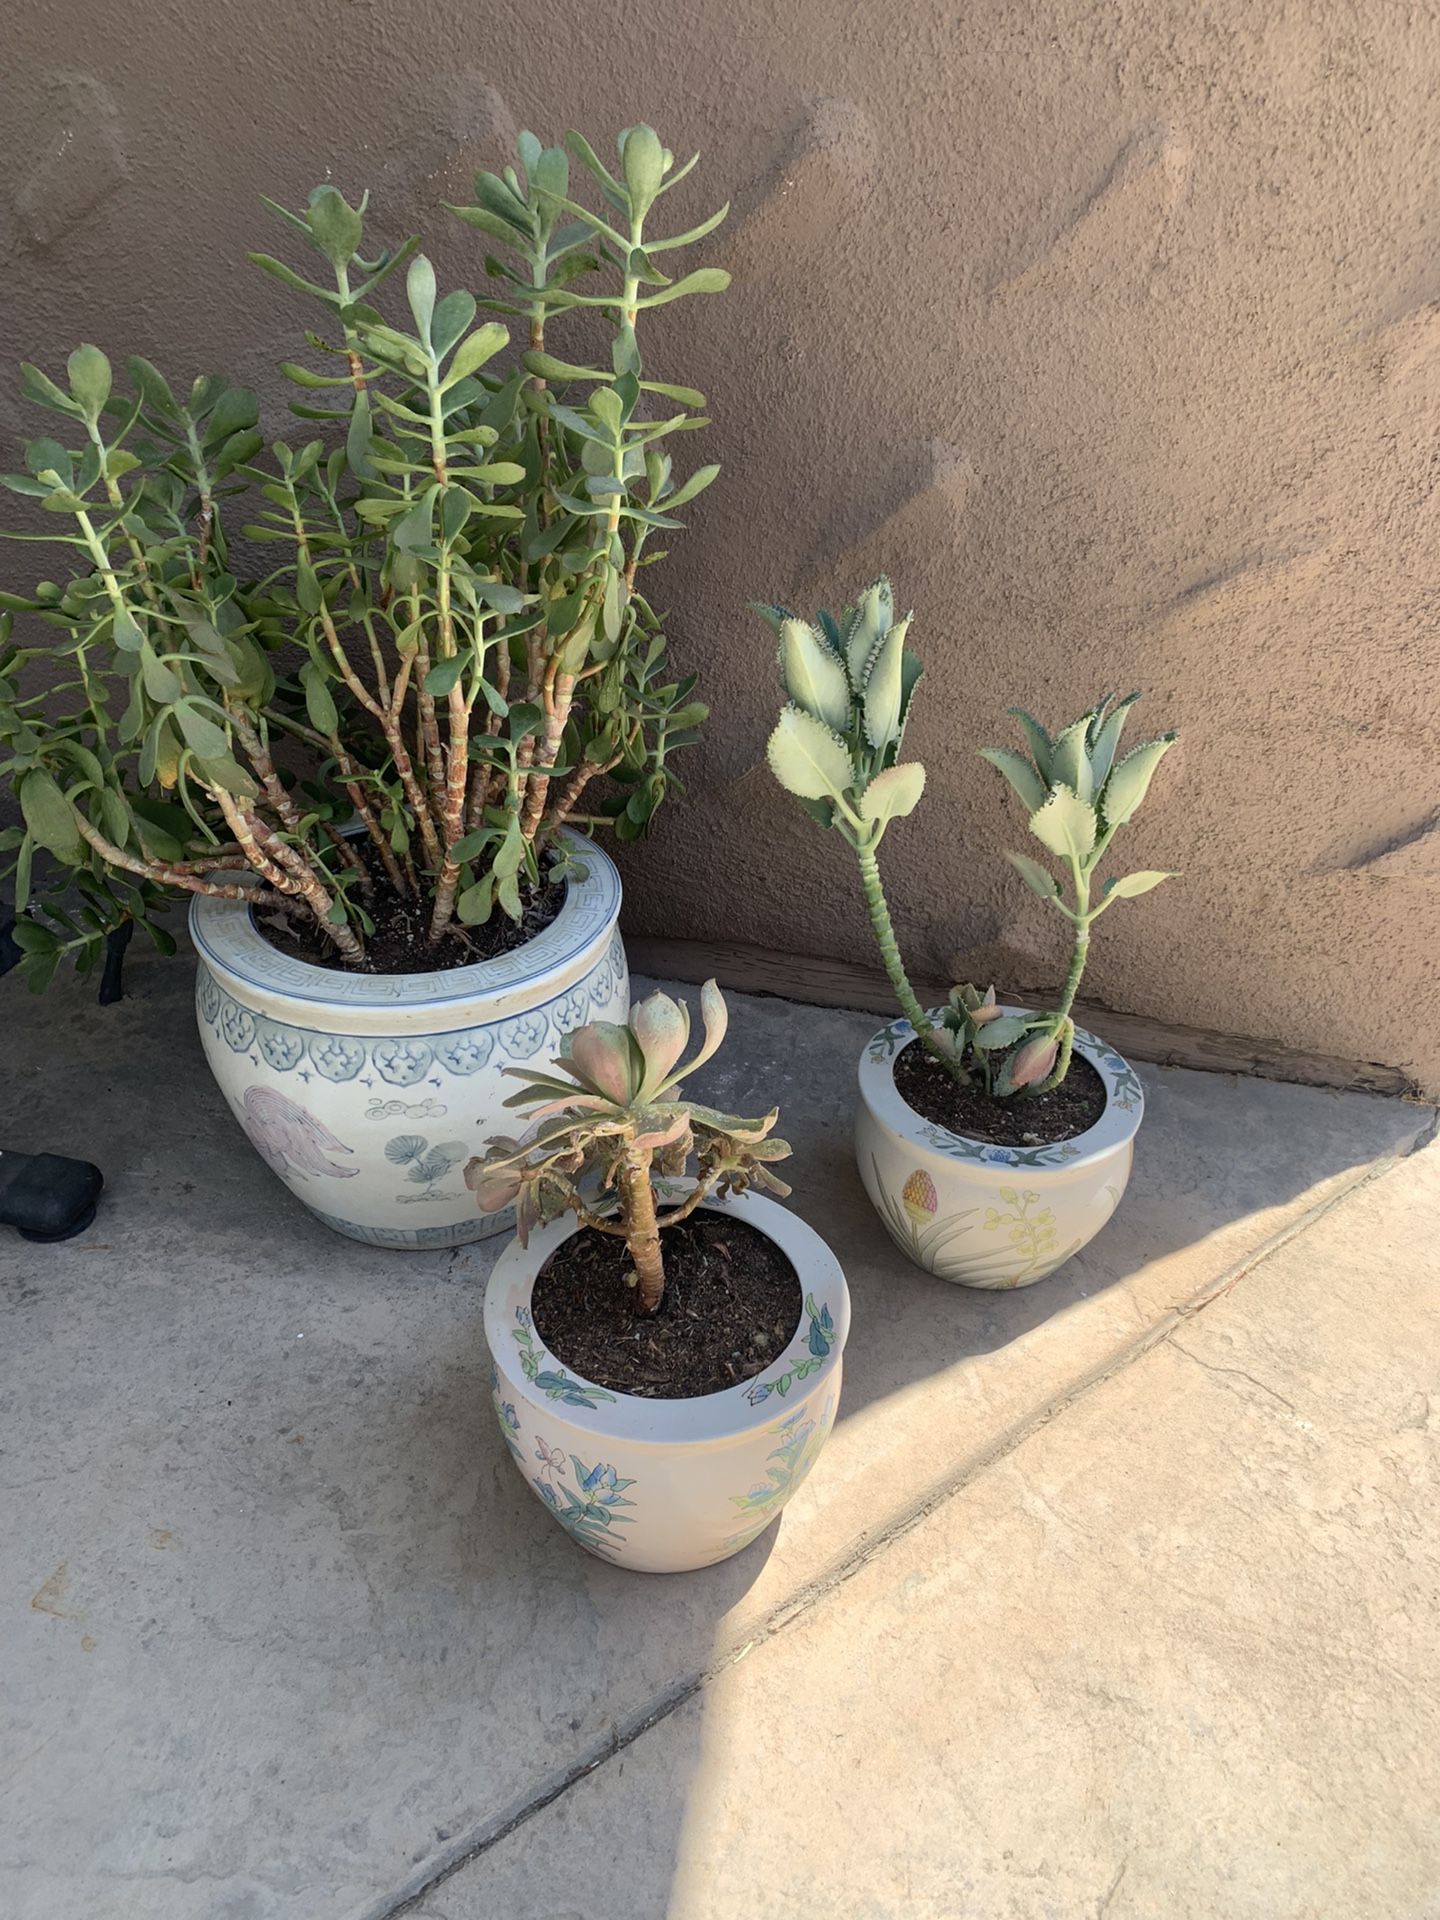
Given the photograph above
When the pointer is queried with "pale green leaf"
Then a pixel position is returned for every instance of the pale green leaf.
(1019, 772)
(995, 1035)
(89, 372)
(1039, 879)
(867, 624)
(885, 689)
(1038, 738)
(1131, 885)
(807, 758)
(1069, 761)
(49, 815)
(814, 678)
(1130, 782)
(893, 794)
(474, 351)
(1065, 824)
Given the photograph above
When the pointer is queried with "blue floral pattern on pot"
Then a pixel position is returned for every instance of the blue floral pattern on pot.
(523, 1037)
(800, 1439)
(590, 1509)
(506, 1415)
(282, 1047)
(402, 1060)
(337, 1056)
(237, 1026)
(466, 1053)
(553, 1382)
(819, 1340)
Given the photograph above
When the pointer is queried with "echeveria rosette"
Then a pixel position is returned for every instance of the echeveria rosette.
(612, 1120)
(1078, 790)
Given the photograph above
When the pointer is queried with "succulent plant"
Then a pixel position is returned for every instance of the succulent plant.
(451, 638)
(837, 743)
(1078, 790)
(836, 747)
(614, 1121)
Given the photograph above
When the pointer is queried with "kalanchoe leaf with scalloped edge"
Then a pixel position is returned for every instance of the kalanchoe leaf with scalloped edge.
(813, 676)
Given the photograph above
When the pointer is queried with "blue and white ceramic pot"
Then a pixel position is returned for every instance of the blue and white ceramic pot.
(983, 1215)
(665, 1486)
(366, 1093)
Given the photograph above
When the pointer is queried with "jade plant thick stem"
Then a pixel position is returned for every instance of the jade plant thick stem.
(614, 1123)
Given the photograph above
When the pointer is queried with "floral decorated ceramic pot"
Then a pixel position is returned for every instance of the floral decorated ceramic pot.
(367, 1093)
(983, 1215)
(663, 1486)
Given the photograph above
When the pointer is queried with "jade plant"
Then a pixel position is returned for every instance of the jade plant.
(836, 747)
(450, 643)
(602, 1135)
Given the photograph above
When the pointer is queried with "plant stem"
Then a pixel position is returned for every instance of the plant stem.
(167, 874)
(890, 956)
(1082, 941)
(642, 1231)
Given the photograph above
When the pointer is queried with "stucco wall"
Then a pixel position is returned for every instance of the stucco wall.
(1112, 332)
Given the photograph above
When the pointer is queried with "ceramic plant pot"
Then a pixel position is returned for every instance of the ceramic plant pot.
(663, 1486)
(367, 1094)
(982, 1215)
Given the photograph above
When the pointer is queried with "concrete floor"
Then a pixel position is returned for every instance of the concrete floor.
(1115, 1596)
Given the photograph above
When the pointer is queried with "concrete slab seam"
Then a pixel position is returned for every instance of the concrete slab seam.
(865, 1549)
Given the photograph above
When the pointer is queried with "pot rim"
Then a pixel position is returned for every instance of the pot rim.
(1116, 1127)
(227, 939)
(705, 1418)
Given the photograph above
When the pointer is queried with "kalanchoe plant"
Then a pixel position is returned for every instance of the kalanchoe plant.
(614, 1122)
(836, 747)
(1078, 790)
(451, 645)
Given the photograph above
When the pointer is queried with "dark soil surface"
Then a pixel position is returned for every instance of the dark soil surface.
(1027, 1120)
(731, 1306)
(399, 943)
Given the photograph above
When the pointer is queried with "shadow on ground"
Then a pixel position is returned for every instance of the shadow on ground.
(292, 1637)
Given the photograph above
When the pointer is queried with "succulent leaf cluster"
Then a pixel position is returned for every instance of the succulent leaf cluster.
(607, 1113)
(837, 742)
(1079, 790)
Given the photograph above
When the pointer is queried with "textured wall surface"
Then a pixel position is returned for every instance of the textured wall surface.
(1111, 331)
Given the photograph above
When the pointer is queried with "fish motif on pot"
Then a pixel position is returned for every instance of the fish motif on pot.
(288, 1138)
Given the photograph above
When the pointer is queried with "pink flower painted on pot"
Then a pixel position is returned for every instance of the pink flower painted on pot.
(920, 1197)
(287, 1137)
